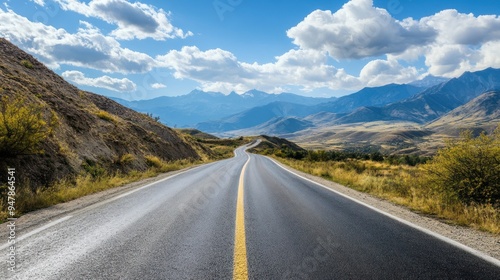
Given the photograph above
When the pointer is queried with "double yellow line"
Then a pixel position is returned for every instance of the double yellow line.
(240, 269)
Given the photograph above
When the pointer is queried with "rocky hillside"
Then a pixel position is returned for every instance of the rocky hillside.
(480, 114)
(87, 131)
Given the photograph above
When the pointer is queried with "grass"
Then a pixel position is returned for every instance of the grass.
(103, 115)
(403, 185)
(126, 159)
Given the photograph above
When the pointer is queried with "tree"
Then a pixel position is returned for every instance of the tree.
(23, 126)
(469, 168)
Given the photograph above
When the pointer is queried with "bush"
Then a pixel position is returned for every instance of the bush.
(126, 159)
(154, 161)
(26, 63)
(469, 168)
(94, 169)
(23, 126)
(103, 115)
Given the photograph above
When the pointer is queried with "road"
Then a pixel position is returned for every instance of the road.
(217, 222)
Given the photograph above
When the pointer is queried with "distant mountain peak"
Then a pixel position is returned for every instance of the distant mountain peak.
(429, 81)
(204, 93)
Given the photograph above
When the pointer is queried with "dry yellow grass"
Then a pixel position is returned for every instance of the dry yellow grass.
(404, 185)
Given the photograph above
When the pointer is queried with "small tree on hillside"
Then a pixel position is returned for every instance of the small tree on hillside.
(22, 126)
(469, 168)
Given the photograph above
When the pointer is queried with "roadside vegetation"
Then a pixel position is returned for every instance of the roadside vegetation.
(22, 127)
(460, 184)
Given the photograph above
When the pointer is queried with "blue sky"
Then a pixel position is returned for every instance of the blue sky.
(144, 49)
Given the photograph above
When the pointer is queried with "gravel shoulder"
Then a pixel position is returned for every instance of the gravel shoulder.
(482, 241)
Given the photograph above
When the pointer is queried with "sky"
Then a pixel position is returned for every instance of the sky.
(148, 48)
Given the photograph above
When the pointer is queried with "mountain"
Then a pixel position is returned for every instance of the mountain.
(88, 132)
(435, 101)
(429, 81)
(479, 114)
(370, 96)
(276, 126)
(256, 116)
(419, 124)
(439, 100)
(198, 106)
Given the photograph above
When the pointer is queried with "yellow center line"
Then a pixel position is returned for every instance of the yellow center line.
(240, 269)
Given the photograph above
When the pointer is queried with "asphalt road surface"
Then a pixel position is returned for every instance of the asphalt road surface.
(217, 222)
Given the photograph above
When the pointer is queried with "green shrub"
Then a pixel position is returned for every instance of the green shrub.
(469, 168)
(94, 169)
(23, 126)
(26, 63)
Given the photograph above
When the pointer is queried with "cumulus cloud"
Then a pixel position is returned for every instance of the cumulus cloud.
(219, 70)
(449, 42)
(465, 43)
(358, 30)
(158, 86)
(114, 84)
(134, 20)
(214, 64)
(463, 29)
(381, 72)
(88, 47)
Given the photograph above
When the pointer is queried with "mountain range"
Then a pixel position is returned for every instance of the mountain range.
(406, 114)
(198, 106)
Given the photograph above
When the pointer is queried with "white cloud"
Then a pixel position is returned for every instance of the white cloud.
(463, 29)
(158, 86)
(450, 42)
(120, 85)
(219, 70)
(464, 43)
(88, 47)
(214, 64)
(358, 30)
(134, 20)
(381, 72)
(39, 2)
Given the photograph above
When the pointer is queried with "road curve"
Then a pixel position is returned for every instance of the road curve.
(183, 227)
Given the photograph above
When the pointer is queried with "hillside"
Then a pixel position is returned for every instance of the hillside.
(480, 114)
(276, 126)
(271, 143)
(90, 132)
